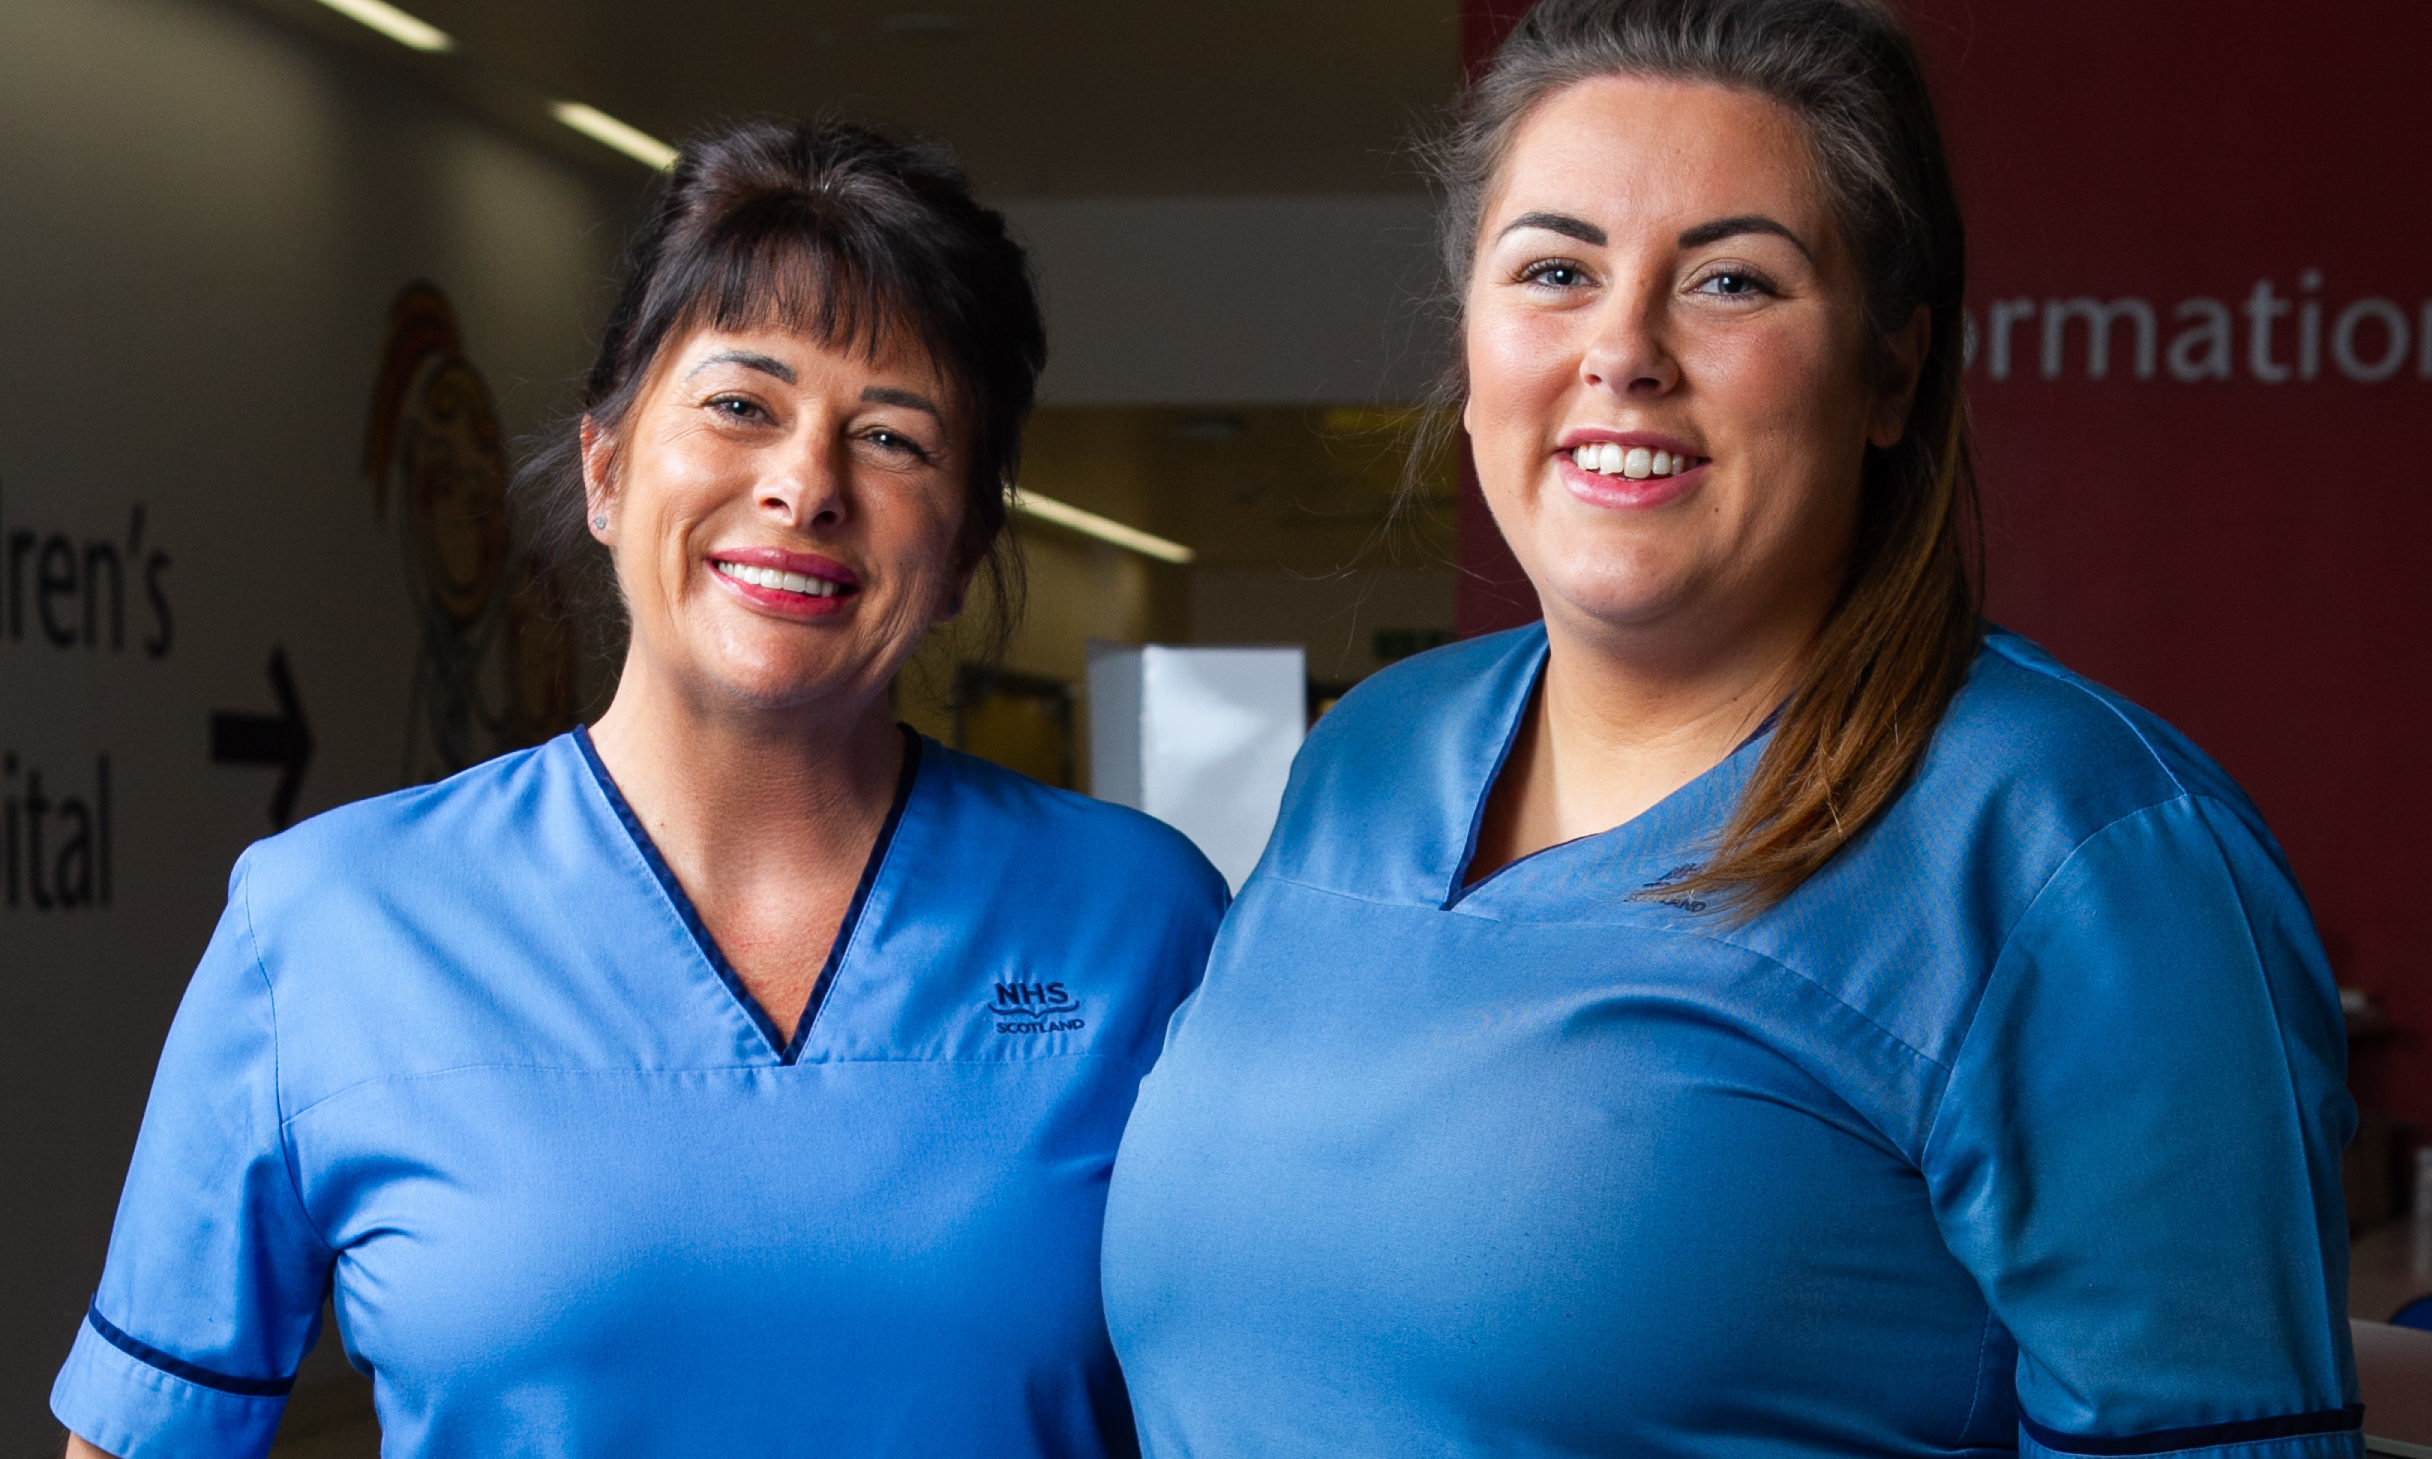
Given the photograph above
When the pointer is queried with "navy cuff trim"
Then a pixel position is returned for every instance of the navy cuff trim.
(144, 1352)
(2202, 1436)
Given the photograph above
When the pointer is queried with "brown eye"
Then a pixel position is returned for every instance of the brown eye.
(896, 443)
(1733, 284)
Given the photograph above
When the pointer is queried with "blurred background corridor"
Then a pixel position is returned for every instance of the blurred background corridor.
(286, 281)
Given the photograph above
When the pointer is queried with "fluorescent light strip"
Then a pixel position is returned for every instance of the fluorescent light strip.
(609, 132)
(1090, 524)
(404, 29)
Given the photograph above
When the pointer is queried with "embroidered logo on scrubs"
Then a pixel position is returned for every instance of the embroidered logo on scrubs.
(1035, 1008)
(1676, 874)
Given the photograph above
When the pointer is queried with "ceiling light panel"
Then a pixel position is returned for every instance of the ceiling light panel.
(404, 29)
(1029, 503)
(609, 132)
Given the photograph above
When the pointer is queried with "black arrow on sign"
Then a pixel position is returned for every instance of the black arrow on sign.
(261, 739)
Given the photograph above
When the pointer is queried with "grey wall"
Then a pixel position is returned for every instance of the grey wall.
(202, 221)
(1233, 300)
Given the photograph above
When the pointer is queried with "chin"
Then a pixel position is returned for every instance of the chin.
(773, 681)
(1627, 590)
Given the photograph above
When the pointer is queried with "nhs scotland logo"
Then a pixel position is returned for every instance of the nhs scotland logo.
(1035, 1008)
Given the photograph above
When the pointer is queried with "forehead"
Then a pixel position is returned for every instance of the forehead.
(1665, 154)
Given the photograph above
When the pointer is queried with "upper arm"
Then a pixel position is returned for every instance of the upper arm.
(2137, 1153)
(212, 1290)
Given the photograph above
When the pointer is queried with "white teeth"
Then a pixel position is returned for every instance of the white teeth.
(1607, 458)
(769, 577)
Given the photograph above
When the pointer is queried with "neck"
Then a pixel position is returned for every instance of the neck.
(1610, 694)
(738, 797)
(1622, 721)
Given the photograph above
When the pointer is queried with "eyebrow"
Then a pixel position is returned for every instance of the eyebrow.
(770, 365)
(1562, 223)
(1697, 237)
(910, 400)
(1722, 228)
(765, 364)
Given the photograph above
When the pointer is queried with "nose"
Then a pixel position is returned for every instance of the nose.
(1627, 352)
(806, 485)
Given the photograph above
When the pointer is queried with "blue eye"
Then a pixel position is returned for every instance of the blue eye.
(1554, 273)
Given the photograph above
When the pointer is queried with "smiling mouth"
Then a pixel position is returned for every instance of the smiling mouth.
(1637, 463)
(776, 581)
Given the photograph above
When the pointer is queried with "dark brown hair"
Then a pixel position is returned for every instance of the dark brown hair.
(847, 236)
(1898, 641)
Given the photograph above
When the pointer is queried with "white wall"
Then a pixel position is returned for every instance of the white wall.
(203, 218)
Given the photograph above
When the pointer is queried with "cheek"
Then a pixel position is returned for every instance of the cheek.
(1517, 360)
(694, 471)
(919, 530)
(1802, 388)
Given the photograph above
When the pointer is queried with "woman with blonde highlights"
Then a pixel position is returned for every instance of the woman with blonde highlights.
(1761, 1009)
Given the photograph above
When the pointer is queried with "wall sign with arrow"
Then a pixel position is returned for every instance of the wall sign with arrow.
(281, 740)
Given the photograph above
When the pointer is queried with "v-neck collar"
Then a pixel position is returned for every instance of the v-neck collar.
(786, 1050)
(1692, 795)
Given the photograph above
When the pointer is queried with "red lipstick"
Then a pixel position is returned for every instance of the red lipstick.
(799, 585)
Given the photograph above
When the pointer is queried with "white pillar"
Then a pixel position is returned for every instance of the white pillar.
(1200, 738)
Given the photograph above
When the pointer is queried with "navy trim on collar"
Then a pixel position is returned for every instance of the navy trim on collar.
(2201, 1436)
(785, 1050)
(144, 1352)
(861, 895)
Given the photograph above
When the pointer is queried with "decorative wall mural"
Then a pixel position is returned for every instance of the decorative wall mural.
(496, 667)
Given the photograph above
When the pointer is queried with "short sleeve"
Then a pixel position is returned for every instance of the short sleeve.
(2137, 1154)
(212, 1293)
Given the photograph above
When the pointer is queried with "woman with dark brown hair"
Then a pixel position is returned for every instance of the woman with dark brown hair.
(1759, 1010)
(737, 1076)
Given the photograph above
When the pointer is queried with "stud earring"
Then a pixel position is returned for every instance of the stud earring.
(600, 523)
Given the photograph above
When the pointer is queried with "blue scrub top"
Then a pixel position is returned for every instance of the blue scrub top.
(467, 1053)
(2016, 1127)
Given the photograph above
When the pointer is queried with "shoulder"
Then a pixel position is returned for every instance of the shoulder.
(2022, 713)
(2046, 759)
(1457, 680)
(2033, 768)
(2032, 761)
(1060, 839)
(412, 837)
